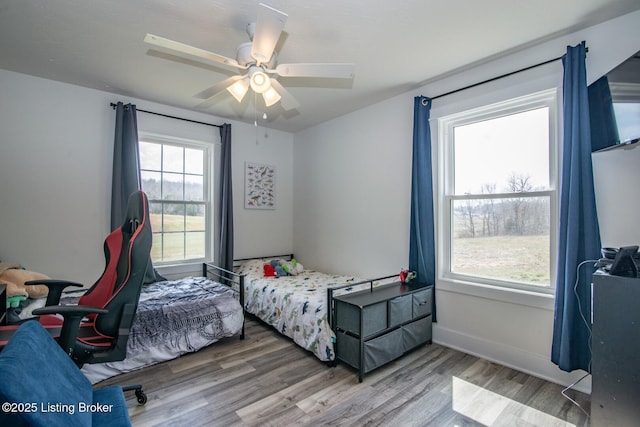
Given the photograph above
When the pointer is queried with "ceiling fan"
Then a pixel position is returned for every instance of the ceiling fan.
(257, 61)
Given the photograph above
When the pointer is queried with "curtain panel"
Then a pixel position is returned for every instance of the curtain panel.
(126, 162)
(422, 235)
(126, 171)
(224, 227)
(579, 236)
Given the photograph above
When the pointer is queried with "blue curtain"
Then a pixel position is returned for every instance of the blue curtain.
(224, 208)
(421, 236)
(126, 170)
(579, 236)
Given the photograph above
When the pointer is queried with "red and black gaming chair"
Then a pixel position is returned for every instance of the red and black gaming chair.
(97, 329)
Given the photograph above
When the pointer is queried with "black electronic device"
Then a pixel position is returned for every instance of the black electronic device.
(624, 263)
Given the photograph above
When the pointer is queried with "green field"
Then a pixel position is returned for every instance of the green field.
(513, 258)
(183, 238)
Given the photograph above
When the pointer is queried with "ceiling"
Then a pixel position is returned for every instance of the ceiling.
(395, 45)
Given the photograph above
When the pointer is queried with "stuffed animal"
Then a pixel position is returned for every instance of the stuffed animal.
(15, 277)
(269, 271)
(292, 267)
(280, 271)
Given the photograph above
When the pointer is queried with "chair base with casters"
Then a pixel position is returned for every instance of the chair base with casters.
(41, 386)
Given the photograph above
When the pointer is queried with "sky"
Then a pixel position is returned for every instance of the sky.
(489, 152)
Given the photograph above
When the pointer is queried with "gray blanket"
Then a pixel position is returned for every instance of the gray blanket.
(174, 317)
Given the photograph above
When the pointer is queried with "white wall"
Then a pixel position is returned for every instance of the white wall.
(352, 206)
(55, 175)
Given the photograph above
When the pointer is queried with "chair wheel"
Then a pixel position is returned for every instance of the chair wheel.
(141, 396)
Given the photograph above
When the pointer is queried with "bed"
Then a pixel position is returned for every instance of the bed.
(296, 306)
(175, 317)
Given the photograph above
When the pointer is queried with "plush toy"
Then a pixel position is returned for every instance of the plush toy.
(15, 277)
(280, 268)
(280, 271)
(297, 266)
(14, 301)
(269, 271)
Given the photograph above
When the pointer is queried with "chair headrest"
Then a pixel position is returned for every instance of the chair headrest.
(137, 211)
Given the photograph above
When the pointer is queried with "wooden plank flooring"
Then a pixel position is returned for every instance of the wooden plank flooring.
(267, 380)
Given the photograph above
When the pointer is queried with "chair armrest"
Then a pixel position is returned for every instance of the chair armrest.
(69, 311)
(73, 315)
(55, 288)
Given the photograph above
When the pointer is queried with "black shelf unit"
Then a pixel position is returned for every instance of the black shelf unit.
(378, 325)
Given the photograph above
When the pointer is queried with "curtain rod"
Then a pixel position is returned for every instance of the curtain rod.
(171, 117)
(500, 77)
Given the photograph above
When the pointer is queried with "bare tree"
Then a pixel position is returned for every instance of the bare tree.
(468, 216)
(489, 223)
(519, 183)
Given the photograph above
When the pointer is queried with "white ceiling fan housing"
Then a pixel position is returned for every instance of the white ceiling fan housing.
(258, 58)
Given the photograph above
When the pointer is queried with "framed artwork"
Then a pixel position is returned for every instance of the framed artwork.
(259, 186)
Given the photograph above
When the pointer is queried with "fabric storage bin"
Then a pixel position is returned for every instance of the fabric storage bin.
(374, 318)
(348, 349)
(383, 349)
(399, 310)
(422, 303)
(416, 333)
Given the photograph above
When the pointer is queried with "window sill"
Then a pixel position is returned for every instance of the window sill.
(514, 296)
(180, 270)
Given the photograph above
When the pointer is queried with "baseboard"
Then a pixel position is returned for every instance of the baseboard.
(533, 364)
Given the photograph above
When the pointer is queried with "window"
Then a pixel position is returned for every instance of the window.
(498, 193)
(175, 176)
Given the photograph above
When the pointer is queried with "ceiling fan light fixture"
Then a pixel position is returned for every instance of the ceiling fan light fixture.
(239, 89)
(260, 82)
(271, 96)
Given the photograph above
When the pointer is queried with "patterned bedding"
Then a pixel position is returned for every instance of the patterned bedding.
(174, 317)
(296, 306)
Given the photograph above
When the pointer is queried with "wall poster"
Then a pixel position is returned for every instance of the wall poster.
(259, 186)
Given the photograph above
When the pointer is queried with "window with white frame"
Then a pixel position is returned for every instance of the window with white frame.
(498, 193)
(175, 175)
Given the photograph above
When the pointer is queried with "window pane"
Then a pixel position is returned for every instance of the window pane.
(150, 155)
(172, 186)
(195, 245)
(504, 154)
(151, 183)
(172, 159)
(504, 239)
(156, 247)
(173, 247)
(194, 187)
(173, 218)
(193, 161)
(195, 219)
(155, 216)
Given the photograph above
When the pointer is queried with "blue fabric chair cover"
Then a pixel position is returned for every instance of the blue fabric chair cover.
(41, 386)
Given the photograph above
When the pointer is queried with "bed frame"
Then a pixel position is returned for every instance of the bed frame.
(233, 279)
(227, 278)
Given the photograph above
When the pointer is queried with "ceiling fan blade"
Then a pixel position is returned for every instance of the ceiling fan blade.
(287, 101)
(339, 71)
(190, 50)
(269, 26)
(218, 87)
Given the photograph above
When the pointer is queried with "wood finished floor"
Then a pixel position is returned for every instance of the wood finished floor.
(267, 380)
